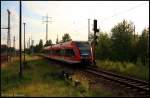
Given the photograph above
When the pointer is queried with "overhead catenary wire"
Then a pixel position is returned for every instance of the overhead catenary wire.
(117, 14)
(122, 12)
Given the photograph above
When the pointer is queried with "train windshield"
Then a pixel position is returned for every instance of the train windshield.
(84, 48)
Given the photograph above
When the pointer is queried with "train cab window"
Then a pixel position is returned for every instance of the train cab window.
(84, 48)
(69, 52)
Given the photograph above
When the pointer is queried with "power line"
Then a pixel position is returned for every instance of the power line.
(123, 12)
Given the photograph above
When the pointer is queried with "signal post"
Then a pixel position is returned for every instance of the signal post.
(94, 42)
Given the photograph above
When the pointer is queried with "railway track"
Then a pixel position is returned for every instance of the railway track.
(136, 85)
(140, 86)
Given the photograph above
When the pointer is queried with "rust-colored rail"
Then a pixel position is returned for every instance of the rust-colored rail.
(130, 82)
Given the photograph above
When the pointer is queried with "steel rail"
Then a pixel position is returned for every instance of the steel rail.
(139, 85)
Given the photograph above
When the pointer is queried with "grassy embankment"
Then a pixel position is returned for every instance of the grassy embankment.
(37, 80)
(125, 68)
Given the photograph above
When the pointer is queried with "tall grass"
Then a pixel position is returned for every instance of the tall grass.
(37, 80)
(33, 83)
(125, 68)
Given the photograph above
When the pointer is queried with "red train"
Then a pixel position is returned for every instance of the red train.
(72, 52)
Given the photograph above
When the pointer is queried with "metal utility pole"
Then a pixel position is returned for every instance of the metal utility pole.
(29, 44)
(47, 25)
(88, 29)
(20, 48)
(14, 42)
(14, 46)
(32, 42)
(8, 35)
(8, 38)
(24, 42)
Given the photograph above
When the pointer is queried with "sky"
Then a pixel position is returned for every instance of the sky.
(70, 17)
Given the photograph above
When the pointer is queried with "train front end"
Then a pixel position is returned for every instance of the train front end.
(85, 52)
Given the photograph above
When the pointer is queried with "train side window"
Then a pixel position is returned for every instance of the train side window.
(65, 52)
(69, 52)
(53, 52)
(50, 52)
(58, 52)
(62, 52)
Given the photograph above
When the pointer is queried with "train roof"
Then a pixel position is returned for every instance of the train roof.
(65, 44)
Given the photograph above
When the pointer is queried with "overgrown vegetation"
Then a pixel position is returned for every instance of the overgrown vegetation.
(125, 68)
(124, 44)
(39, 79)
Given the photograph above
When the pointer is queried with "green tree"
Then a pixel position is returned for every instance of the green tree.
(40, 46)
(143, 47)
(66, 37)
(122, 35)
(48, 43)
(134, 49)
(36, 48)
(103, 50)
(57, 41)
